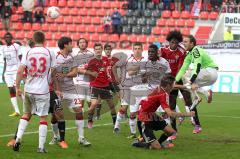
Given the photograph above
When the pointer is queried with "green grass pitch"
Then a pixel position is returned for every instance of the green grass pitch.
(220, 138)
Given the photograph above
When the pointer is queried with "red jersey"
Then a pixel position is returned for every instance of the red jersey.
(174, 57)
(99, 66)
(149, 105)
(111, 62)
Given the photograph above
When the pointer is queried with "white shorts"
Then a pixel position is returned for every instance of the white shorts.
(83, 92)
(10, 79)
(71, 100)
(36, 104)
(206, 77)
(125, 96)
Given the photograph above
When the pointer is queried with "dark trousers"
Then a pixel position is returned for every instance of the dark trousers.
(27, 16)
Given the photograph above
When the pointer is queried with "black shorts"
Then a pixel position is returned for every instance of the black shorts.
(54, 102)
(103, 93)
(114, 87)
(149, 127)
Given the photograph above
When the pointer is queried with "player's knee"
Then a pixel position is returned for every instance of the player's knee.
(79, 116)
(133, 115)
(122, 110)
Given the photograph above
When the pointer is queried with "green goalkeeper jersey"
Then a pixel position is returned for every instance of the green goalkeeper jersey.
(200, 59)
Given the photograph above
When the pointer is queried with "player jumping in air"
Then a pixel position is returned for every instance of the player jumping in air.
(12, 58)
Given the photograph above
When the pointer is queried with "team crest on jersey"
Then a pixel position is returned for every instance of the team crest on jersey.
(65, 69)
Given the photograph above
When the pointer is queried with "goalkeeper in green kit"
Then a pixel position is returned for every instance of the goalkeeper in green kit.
(203, 73)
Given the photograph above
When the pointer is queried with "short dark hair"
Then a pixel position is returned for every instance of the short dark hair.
(38, 37)
(107, 45)
(1, 43)
(31, 43)
(192, 39)
(154, 47)
(138, 44)
(175, 34)
(97, 44)
(18, 42)
(82, 39)
(167, 80)
(64, 41)
(8, 33)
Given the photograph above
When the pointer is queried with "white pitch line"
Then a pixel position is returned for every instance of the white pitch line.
(36, 132)
(221, 116)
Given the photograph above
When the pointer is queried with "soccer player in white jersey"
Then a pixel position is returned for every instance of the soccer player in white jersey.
(66, 69)
(131, 71)
(12, 57)
(82, 57)
(38, 62)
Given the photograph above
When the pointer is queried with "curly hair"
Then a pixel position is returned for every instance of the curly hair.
(175, 34)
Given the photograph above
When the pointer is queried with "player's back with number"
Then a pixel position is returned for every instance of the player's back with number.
(38, 61)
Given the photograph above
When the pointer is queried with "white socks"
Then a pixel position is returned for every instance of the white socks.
(80, 128)
(42, 134)
(120, 117)
(14, 104)
(23, 123)
(133, 124)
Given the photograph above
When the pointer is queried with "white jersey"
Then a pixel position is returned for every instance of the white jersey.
(156, 70)
(65, 65)
(82, 58)
(38, 61)
(11, 53)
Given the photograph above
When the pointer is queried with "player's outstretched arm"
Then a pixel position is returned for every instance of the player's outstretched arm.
(73, 72)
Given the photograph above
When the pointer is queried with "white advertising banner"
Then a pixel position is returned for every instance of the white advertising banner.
(227, 60)
(232, 19)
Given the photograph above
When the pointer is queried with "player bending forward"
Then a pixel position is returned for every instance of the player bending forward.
(151, 121)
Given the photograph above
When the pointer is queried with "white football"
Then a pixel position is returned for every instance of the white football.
(53, 12)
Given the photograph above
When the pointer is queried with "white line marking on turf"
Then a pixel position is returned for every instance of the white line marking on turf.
(36, 132)
(221, 116)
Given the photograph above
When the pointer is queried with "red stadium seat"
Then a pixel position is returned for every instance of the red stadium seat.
(180, 23)
(90, 28)
(94, 37)
(185, 31)
(76, 36)
(213, 15)
(100, 29)
(53, 27)
(201, 42)
(68, 20)
(106, 4)
(1, 26)
(57, 35)
(142, 38)
(36, 26)
(115, 4)
(74, 11)
(104, 37)
(97, 4)
(71, 3)
(162, 39)
(81, 28)
(45, 27)
(97, 20)
(123, 37)
(133, 38)
(101, 12)
(83, 12)
(151, 39)
(29, 35)
(62, 3)
(59, 20)
(185, 15)
(161, 22)
(20, 10)
(27, 26)
(14, 18)
(157, 31)
(62, 28)
(165, 31)
(17, 26)
(86, 36)
(87, 20)
(176, 14)
(92, 12)
(51, 44)
(203, 15)
(122, 12)
(113, 38)
(20, 35)
(88, 4)
(53, 3)
(65, 11)
(170, 23)
(202, 36)
(80, 4)
(48, 35)
(49, 20)
(166, 14)
(190, 23)
(72, 28)
(77, 20)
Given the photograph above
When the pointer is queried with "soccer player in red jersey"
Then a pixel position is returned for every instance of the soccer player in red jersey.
(99, 83)
(151, 121)
(175, 54)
